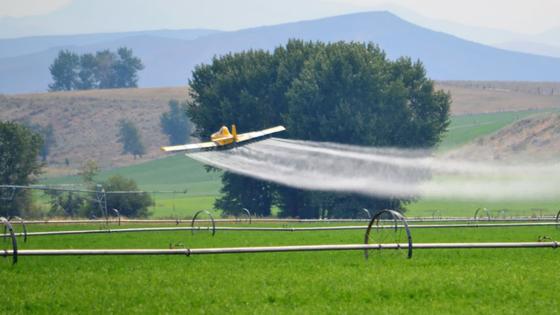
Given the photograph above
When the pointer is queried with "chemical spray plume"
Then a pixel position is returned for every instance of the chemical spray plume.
(384, 172)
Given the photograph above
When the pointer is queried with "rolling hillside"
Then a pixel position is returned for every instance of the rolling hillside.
(536, 138)
(85, 122)
(170, 60)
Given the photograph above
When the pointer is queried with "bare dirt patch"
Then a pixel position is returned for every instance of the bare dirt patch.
(534, 139)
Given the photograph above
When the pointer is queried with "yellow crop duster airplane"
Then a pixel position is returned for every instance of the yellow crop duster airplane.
(223, 139)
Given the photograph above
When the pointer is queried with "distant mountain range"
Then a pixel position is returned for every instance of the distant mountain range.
(28, 45)
(546, 43)
(170, 56)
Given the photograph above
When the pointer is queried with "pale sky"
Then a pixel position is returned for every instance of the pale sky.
(522, 16)
(41, 16)
(21, 8)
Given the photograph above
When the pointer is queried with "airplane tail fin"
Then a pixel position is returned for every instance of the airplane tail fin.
(234, 132)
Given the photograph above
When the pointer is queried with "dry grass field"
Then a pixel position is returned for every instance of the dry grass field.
(85, 122)
(478, 97)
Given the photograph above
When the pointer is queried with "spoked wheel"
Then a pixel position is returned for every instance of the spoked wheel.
(389, 230)
(9, 238)
(206, 224)
(244, 217)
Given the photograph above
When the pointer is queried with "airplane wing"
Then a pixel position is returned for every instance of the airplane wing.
(259, 134)
(193, 147)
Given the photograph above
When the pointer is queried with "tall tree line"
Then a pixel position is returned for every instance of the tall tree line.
(340, 92)
(103, 70)
(19, 165)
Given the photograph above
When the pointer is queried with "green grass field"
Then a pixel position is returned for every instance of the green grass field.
(173, 173)
(466, 208)
(179, 173)
(503, 281)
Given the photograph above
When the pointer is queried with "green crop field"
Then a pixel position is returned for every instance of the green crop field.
(173, 173)
(500, 281)
(466, 208)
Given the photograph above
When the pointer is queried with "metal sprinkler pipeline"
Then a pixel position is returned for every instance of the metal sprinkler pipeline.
(478, 211)
(118, 215)
(211, 218)
(101, 198)
(24, 226)
(9, 227)
(396, 218)
(368, 214)
(248, 213)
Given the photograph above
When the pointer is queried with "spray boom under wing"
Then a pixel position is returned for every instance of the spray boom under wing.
(223, 139)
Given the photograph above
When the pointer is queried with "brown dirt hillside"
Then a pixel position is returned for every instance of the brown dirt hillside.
(534, 139)
(85, 122)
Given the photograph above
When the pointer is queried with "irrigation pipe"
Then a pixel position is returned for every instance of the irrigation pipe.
(273, 249)
(211, 218)
(397, 217)
(116, 192)
(24, 227)
(174, 221)
(280, 229)
(12, 235)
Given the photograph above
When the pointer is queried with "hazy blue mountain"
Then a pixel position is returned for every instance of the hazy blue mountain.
(169, 61)
(27, 45)
(483, 35)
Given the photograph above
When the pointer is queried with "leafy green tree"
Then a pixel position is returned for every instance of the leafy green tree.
(175, 123)
(88, 71)
(64, 71)
(341, 92)
(103, 70)
(129, 204)
(129, 137)
(49, 140)
(46, 133)
(126, 69)
(350, 93)
(234, 198)
(19, 165)
(66, 203)
(239, 86)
